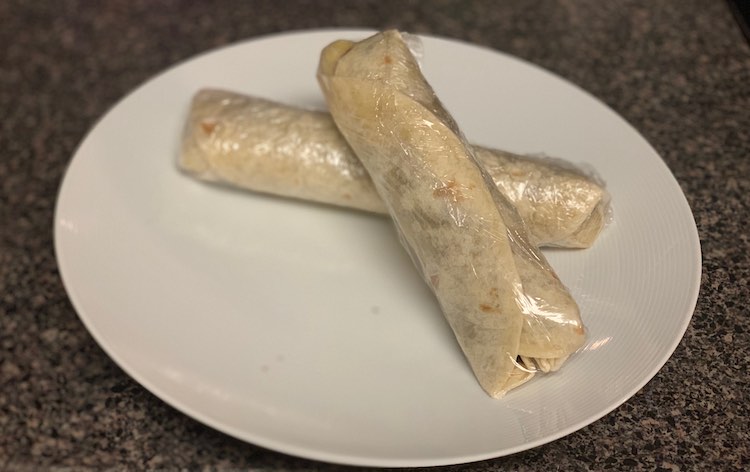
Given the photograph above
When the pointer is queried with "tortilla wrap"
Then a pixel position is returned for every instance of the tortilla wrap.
(503, 301)
(268, 147)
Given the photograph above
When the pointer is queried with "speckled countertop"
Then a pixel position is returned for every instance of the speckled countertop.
(678, 71)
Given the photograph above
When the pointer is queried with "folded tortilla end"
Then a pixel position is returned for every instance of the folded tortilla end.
(331, 54)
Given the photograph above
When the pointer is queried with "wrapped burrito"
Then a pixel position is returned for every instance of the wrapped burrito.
(268, 147)
(507, 308)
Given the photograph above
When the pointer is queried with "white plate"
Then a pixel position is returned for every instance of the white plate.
(305, 329)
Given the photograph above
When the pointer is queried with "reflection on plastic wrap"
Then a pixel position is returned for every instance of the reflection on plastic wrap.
(268, 147)
(502, 299)
(597, 344)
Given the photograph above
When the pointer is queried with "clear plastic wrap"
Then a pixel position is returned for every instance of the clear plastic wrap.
(264, 146)
(508, 310)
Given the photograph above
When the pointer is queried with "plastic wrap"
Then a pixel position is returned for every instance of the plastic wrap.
(508, 310)
(561, 204)
(268, 147)
(262, 146)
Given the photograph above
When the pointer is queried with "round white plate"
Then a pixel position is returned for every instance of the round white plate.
(305, 329)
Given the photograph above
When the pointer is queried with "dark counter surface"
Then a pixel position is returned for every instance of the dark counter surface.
(679, 72)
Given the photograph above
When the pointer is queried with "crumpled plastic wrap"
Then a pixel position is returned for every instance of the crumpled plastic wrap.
(263, 146)
(561, 204)
(509, 312)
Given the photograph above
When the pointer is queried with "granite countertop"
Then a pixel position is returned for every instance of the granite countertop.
(677, 71)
